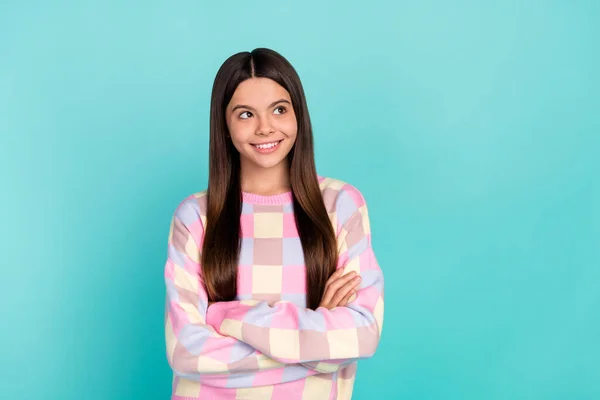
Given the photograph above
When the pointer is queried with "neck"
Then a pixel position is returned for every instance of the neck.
(265, 181)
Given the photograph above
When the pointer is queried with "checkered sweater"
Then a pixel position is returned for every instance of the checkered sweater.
(266, 344)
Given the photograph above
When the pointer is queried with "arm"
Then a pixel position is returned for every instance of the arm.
(321, 339)
(195, 350)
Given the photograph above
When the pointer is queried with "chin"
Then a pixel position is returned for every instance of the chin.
(268, 164)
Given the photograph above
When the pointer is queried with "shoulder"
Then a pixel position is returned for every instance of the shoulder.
(342, 199)
(191, 213)
(194, 203)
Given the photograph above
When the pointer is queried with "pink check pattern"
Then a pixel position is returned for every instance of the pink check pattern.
(266, 344)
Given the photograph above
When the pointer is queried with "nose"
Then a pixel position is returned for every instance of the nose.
(264, 127)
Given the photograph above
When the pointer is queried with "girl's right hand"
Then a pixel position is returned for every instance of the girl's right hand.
(339, 289)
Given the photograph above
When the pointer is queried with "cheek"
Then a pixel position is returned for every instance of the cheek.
(290, 128)
(240, 132)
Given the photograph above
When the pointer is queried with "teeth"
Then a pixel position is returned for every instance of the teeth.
(266, 146)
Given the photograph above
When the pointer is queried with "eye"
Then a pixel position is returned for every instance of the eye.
(245, 115)
(281, 109)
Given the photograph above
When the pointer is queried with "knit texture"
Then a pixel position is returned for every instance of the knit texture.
(266, 344)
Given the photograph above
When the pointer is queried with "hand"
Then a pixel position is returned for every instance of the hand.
(339, 289)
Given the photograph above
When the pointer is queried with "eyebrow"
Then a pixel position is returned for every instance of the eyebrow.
(270, 105)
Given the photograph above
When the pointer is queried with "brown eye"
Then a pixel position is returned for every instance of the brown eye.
(245, 115)
(282, 110)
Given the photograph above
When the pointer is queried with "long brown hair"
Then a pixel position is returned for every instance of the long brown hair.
(221, 248)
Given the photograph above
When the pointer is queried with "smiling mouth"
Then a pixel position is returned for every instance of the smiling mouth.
(267, 147)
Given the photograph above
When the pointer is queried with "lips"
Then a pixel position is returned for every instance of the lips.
(266, 144)
(267, 147)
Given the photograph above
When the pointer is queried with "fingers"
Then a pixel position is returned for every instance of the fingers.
(345, 291)
(347, 298)
(334, 276)
(327, 294)
(335, 284)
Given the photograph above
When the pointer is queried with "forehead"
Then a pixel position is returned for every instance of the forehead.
(258, 92)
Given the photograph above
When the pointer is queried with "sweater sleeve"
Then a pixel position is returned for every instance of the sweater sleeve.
(195, 351)
(322, 339)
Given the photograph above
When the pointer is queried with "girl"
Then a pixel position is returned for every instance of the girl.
(273, 290)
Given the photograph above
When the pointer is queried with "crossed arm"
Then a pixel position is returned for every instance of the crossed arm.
(229, 341)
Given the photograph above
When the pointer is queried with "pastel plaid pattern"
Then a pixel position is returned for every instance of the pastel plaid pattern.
(266, 344)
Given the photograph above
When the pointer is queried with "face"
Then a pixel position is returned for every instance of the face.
(261, 122)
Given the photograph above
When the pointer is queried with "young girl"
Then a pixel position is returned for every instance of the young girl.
(273, 290)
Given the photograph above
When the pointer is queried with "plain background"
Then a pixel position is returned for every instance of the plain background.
(471, 127)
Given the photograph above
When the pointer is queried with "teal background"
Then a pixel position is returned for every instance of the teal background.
(472, 129)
